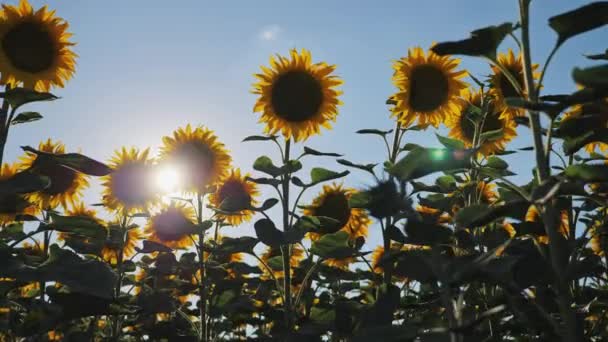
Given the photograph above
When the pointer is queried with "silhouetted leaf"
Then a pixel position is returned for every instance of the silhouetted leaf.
(375, 132)
(580, 20)
(260, 138)
(424, 233)
(483, 42)
(22, 183)
(153, 246)
(310, 151)
(74, 161)
(588, 173)
(268, 233)
(365, 167)
(593, 77)
(17, 97)
(319, 175)
(26, 117)
(335, 245)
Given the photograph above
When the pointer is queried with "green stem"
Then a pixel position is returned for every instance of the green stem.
(201, 264)
(119, 262)
(286, 249)
(4, 125)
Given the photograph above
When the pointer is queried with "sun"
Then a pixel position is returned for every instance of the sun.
(168, 178)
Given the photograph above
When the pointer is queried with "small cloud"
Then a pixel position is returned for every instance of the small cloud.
(270, 33)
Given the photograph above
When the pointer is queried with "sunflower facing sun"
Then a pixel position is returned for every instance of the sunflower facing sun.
(428, 88)
(13, 205)
(462, 126)
(129, 187)
(332, 202)
(172, 226)
(35, 50)
(66, 185)
(297, 97)
(503, 88)
(234, 196)
(199, 154)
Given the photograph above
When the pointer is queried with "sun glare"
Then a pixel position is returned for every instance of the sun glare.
(168, 179)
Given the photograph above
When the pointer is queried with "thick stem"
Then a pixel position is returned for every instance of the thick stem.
(286, 250)
(551, 216)
(4, 126)
(201, 266)
(119, 261)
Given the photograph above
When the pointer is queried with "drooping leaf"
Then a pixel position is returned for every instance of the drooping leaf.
(588, 173)
(450, 143)
(497, 163)
(483, 42)
(335, 245)
(312, 152)
(268, 233)
(74, 161)
(319, 175)
(423, 161)
(375, 132)
(580, 20)
(153, 246)
(26, 117)
(265, 164)
(23, 183)
(592, 77)
(260, 138)
(269, 203)
(17, 97)
(365, 167)
(428, 234)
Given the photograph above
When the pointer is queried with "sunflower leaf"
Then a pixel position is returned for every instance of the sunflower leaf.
(478, 215)
(497, 163)
(23, 182)
(588, 173)
(375, 132)
(580, 20)
(334, 245)
(492, 135)
(265, 164)
(312, 152)
(17, 97)
(26, 117)
(266, 181)
(423, 233)
(268, 233)
(593, 77)
(423, 161)
(449, 142)
(260, 138)
(483, 42)
(599, 56)
(269, 203)
(153, 246)
(319, 175)
(74, 161)
(365, 167)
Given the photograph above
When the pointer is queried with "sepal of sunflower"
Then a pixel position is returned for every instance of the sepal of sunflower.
(297, 97)
(66, 184)
(234, 197)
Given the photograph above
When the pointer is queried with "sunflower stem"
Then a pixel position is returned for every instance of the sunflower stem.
(550, 214)
(285, 250)
(119, 262)
(388, 269)
(201, 261)
(4, 125)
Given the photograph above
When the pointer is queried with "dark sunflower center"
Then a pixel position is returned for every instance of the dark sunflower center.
(491, 123)
(171, 225)
(428, 88)
(296, 96)
(61, 177)
(234, 197)
(131, 185)
(506, 88)
(30, 47)
(197, 161)
(335, 206)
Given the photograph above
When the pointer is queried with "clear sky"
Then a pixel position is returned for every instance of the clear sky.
(147, 67)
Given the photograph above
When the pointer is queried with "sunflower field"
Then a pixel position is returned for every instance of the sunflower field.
(466, 254)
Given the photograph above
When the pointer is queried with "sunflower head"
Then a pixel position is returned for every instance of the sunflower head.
(172, 226)
(234, 196)
(13, 205)
(342, 264)
(428, 87)
(501, 85)
(599, 238)
(35, 50)
(129, 187)
(66, 183)
(332, 202)
(462, 124)
(296, 96)
(120, 238)
(533, 215)
(202, 158)
(273, 258)
(433, 215)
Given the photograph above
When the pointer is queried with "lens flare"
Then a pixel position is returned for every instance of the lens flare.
(168, 179)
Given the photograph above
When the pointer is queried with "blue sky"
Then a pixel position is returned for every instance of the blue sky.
(148, 67)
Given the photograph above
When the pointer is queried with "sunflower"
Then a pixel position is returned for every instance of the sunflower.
(428, 88)
(203, 159)
(79, 210)
(129, 187)
(433, 215)
(462, 127)
(342, 264)
(503, 88)
(332, 202)
(296, 96)
(35, 49)
(533, 215)
(172, 226)
(596, 111)
(599, 238)
(234, 196)
(115, 242)
(13, 205)
(66, 183)
(273, 256)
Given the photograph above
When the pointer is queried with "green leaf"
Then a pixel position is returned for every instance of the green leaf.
(423, 161)
(310, 151)
(265, 181)
(319, 175)
(410, 147)
(415, 265)
(242, 244)
(265, 164)
(268, 233)
(74, 161)
(580, 20)
(450, 143)
(481, 214)
(446, 183)
(153, 246)
(600, 56)
(423, 233)
(374, 132)
(26, 117)
(22, 183)
(395, 234)
(365, 167)
(483, 42)
(325, 315)
(593, 77)
(588, 173)
(17, 97)
(497, 163)
(269, 203)
(492, 135)
(335, 245)
(292, 166)
(260, 138)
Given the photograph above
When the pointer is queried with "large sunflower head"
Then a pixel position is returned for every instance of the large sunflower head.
(66, 183)
(296, 96)
(119, 239)
(35, 50)
(332, 202)
(462, 126)
(172, 226)
(501, 85)
(129, 187)
(234, 196)
(428, 88)
(199, 154)
(13, 205)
